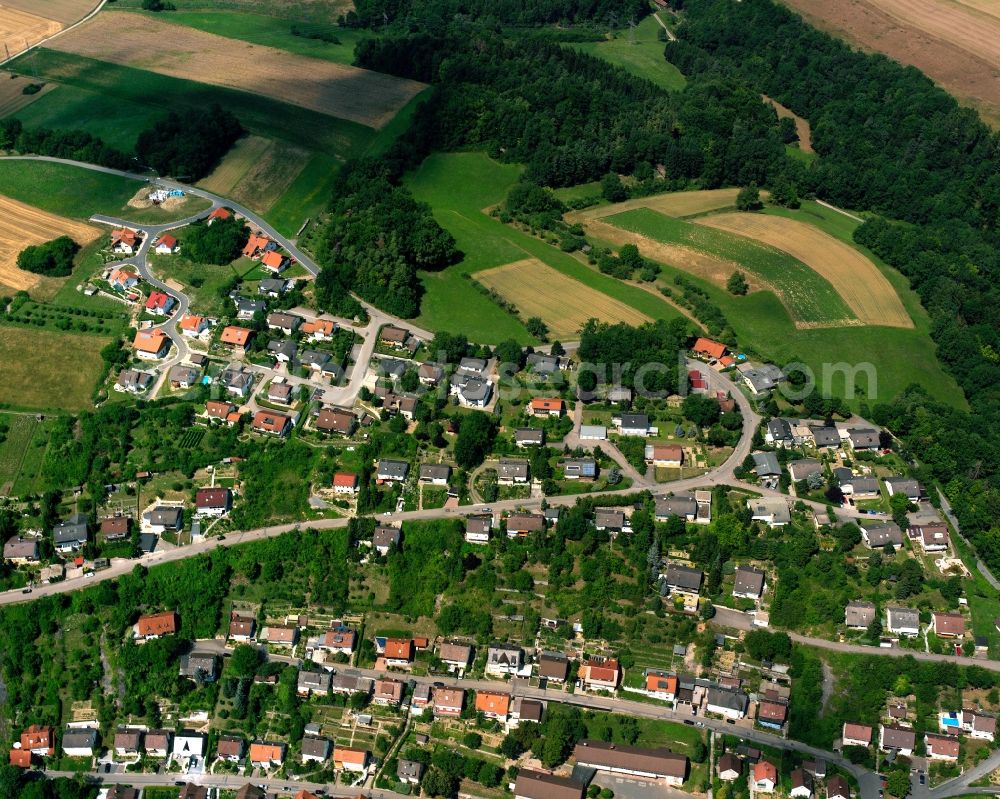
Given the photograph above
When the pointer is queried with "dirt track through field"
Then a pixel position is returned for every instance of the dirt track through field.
(126, 39)
(678, 203)
(563, 303)
(854, 277)
(955, 42)
(21, 225)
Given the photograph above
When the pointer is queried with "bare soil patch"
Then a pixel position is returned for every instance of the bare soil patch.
(801, 125)
(957, 44)
(563, 303)
(65, 12)
(141, 200)
(21, 225)
(867, 292)
(368, 98)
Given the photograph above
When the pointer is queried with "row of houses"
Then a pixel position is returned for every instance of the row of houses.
(782, 432)
(900, 739)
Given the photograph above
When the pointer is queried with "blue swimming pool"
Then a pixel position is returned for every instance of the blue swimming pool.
(949, 721)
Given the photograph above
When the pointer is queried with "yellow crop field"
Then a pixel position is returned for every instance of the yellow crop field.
(564, 304)
(21, 225)
(359, 95)
(867, 292)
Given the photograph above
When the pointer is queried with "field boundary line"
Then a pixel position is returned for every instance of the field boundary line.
(48, 39)
(833, 207)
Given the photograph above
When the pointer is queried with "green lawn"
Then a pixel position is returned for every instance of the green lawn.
(639, 52)
(65, 190)
(808, 296)
(270, 31)
(15, 443)
(458, 186)
(201, 281)
(579, 191)
(116, 103)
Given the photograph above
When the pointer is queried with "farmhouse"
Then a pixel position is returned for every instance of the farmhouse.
(151, 344)
(633, 761)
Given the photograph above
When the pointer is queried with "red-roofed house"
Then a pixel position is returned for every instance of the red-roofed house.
(661, 686)
(235, 336)
(697, 380)
(398, 652)
(708, 348)
(166, 245)
(216, 409)
(600, 674)
(493, 706)
(158, 303)
(124, 240)
(942, 747)
(546, 406)
(350, 759)
(270, 423)
(39, 740)
(219, 213)
(255, 244)
(665, 456)
(20, 758)
(151, 344)
(856, 734)
(156, 624)
(345, 483)
(765, 776)
(948, 625)
(192, 325)
(274, 261)
(122, 279)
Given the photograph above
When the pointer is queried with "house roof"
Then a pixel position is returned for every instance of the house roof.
(709, 348)
(409, 769)
(836, 787)
(772, 711)
(449, 697)
(354, 756)
(527, 709)
(384, 536)
(667, 452)
(479, 524)
(269, 421)
(167, 240)
(336, 420)
(314, 746)
(220, 213)
(157, 624)
(513, 469)
(396, 335)
(434, 471)
(489, 702)
(230, 746)
(635, 421)
(529, 435)
(684, 577)
(898, 737)
(38, 737)
(547, 404)
(945, 745)
(74, 738)
(345, 480)
(283, 320)
(749, 580)
(20, 758)
(553, 665)
(389, 689)
(128, 739)
(399, 648)
(857, 732)
(600, 670)
(237, 336)
(213, 497)
(765, 770)
(859, 614)
(661, 683)
(254, 243)
(452, 652)
(20, 548)
(949, 623)
(533, 784)
(273, 259)
(676, 506)
(525, 522)
(633, 758)
(902, 617)
(392, 468)
(158, 299)
(766, 464)
(150, 340)
(880, 535)
(264, 752)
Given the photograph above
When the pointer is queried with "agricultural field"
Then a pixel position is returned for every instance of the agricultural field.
(19, 29)
(15, 438)
(809, 298)
(366, 98)
(62, 379)
(44, 186)
(257, 171)
(12, 96)
(675, 203)
(955, 42)
(856, 279)
(308, 10)
(639, 52)
(62, 11)
(458, 186)
(561, 302)
(272, 31)
(22, 225)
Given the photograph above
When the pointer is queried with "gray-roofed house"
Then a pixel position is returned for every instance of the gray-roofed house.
(236, 380)
(903, 621)
(749, 582)
(634, 424)
(762, 379)
(766, 464)
(133, 381)
(283, 349)
(313, 683)
(70, 535)
(315, 749)
(773, 511)
(684, 506)
(728, 702)
(473, 366)
(385, 538)
(684, 579)
(472, 390)
(825, 437)
(860, 487)
(900, 739)
(542, 364)
(863, 438)
(778, 433)
(529, 437)
(803, 468)
(182, 376)
(163, 518)
(287, 323)
(409, 772)
(202, 667)
(612, 519)
(273, 287)
(510, 472)
(906, 486)
(392, 471)
(882, 535)
(79, 742)
(478, 528)
(246, 308)
(20, 550)
(859, 615)
(580, 469)
(314, 359)
(430, 374)
(435, 473)
(281, 393)
(504, 659)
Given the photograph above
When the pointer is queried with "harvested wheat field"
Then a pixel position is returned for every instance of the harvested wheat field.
(564, 304)
(867, 292)
(64, 12)
(955, 42)
(676, 203)
(21, 225)
(12, 96)
(358, 95)
(21, 29)
(802, 128)
(256, 172)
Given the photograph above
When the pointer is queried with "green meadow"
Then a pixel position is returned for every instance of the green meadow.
(639, 52)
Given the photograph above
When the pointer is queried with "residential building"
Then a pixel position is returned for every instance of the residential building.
(493, 705)
(392, 471)
(633, 761)
(708, 349)
(948, 625)
(347, 759)
(665, 456)
(79, 742)
(730, 767)
(274, 287)
(133, 381)
(882, 535)
(20, 550)
(765, 776)
(236, 380)
(163, 518)
(338, 641)
(156, 625)
(455, 654)
(749, 582)
(633, 424)
(804, 468)
(478, 528)
(593, 432)
(503, 659)
(448, 702)
(188, 746)
(761, 379)
(159, 303)
(853, 734)
(684, 579)
(902, 621)
(157, 743)
(213, 501)
(436, 474)
(39, 740)
(545, 406)
(315, 749)
(520, 525)
(683, 506)
(766, 465)
(862, 438)
(237, 337)
(825, 437)
(512, 472)
(778, 433)
(285, 322)
(128, 743)
(900, 739)
(388, 692)
(335, 420)
(837, 788)
(529, 437)
(522, 709)
(553, 667)
(241, 628)
(398, 652)
(942, 747)
(801, 784)
(410, 772)
(231, 748)
(192, 325)
(729, 702)
(579, 469)
(265, 755)
(284, 350)
(271, 423)
(151, 344)
(430, 374)
(932, 537)
(531, 784)
(906, 486)
(71, 534)
(386, 538)
(600, 674)
(771, 713)
(773, 511)
(859, 615)
(978, 724)
(345, 483)
(283, 635)
(611, 519)
(661, 685)
(314, 683)
(123, 279)
(202, 667)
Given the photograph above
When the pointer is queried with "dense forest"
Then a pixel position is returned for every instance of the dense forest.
(73, 144)
(892, 142)
(53, 258)
(429, 14)
(188, 147)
